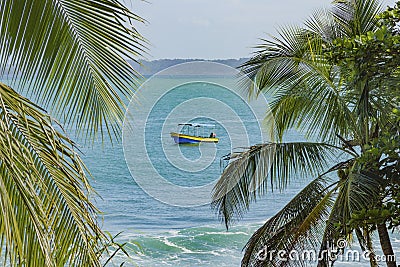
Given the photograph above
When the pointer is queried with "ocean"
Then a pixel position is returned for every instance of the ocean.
(157, 194)
(171, 235)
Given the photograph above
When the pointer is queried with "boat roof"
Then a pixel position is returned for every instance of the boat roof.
(197, 124)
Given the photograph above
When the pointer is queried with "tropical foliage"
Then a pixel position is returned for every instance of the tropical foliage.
(336, 80)
(70, 57)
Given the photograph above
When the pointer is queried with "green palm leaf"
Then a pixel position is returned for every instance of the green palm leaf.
(297, 226)
(309, 221)
(249, 173)
(306, 91)
(324, 81)
(356, 17)
(356, 191)
(309, 92)
(70, 56)
(276, 62)
(322, 24)
(46, 217)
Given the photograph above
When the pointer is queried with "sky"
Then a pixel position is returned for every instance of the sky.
(217, 29)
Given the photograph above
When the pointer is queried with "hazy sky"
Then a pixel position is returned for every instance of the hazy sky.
(217, 28)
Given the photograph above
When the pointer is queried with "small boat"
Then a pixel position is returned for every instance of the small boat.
(194, 133)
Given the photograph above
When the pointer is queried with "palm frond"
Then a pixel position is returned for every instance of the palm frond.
(310, 220)
(309, 92)
(277, 59)
(356, 17)
(322, 24)
(298, 226)
(330, 101)
(306, 91)
(71, 57)
(357, 191)
(318, 110)
(46, 218)
(249, 173)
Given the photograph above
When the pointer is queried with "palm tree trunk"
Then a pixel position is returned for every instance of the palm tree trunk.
(386, 245)
(372, 255)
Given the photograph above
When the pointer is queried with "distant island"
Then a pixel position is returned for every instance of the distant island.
(148, 68)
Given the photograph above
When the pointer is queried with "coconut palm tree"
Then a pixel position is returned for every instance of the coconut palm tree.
(340, 98)
(69, 57)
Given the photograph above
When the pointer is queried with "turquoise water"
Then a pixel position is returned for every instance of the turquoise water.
(171, 235)
(168, 235)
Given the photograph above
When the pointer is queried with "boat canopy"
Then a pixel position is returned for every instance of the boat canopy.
(197, 124)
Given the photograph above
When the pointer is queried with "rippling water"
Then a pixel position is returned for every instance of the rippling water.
(159, 234)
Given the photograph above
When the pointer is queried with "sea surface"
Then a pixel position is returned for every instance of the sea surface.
(160, 234)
